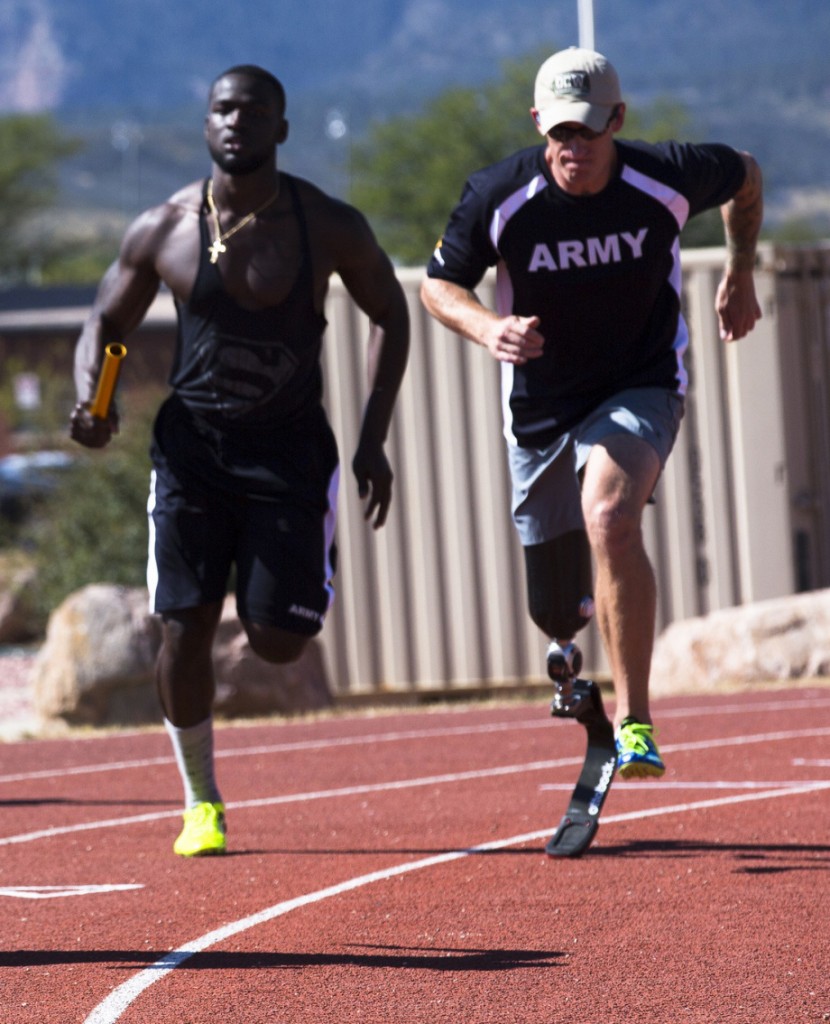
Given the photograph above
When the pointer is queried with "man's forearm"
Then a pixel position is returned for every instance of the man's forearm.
(88, 355)
(457, 308)
(742, 218)
(388, 356)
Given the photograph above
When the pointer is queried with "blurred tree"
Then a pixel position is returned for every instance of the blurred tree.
(798, 231)
(407, 172)
(92, 527)
(31, 145)
(76, 263)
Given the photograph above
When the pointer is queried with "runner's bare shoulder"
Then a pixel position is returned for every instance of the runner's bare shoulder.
(339, 232)
(149, 233)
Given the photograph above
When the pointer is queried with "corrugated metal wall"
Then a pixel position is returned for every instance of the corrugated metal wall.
(802, 279)
(436, 599)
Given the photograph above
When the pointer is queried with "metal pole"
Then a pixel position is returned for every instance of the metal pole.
(585, 12)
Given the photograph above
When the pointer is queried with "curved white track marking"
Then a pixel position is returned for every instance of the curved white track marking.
(120, 999)
(412, 734)
(380, 787)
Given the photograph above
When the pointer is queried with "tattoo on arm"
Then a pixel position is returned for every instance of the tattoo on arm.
(742, 217)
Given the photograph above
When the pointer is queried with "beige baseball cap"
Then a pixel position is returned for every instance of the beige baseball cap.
(576, 85)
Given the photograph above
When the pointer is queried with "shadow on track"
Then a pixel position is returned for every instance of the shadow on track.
(76, 802)
(385, 957)
(752, 858)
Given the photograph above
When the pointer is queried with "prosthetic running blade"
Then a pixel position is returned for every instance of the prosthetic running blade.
(578, 827)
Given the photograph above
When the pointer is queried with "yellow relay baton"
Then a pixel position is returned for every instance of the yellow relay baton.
(113, 354)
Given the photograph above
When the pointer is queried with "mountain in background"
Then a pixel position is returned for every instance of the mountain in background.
(131, 76)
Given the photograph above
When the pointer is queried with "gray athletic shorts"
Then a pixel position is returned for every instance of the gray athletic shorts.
(546, 489)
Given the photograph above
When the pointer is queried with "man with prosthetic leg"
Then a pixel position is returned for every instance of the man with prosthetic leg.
(553, 498)
(583, 231)
(560, 589)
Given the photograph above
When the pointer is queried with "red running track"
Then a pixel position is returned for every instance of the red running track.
(389, 869)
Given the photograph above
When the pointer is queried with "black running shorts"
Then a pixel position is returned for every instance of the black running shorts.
(257, 510)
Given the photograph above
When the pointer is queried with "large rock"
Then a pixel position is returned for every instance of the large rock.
(19, 620)
(777, 640)
(246, 685)
(97, 665)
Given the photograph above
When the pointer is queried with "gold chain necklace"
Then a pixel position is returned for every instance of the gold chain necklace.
(218, 246)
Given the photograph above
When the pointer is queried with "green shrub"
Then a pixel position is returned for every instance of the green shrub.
(92, 528)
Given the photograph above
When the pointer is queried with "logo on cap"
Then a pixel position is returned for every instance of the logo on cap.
(572, 83)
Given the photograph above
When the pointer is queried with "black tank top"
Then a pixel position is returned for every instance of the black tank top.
(248, 367)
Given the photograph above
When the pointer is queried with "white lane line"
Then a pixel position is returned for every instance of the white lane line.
(712, 745)
(288, 748)
(664, 784)
(407, 734)
(761, 707)
(108, 1011)
(322, 794)
(380, 787)
(54, 892)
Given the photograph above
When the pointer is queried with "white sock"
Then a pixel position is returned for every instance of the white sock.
(193, 748)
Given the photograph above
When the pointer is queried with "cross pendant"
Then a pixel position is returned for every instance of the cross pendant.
(215, 248)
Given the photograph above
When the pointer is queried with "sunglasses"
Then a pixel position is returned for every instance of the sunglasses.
(559, 133)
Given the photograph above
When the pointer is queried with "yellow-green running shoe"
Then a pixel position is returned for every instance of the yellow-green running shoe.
(637, 753)
(203, 834)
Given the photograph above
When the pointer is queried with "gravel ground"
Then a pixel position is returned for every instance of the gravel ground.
(17, 714)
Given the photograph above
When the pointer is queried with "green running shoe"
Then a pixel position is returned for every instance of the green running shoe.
(203, 834)
(637, 753)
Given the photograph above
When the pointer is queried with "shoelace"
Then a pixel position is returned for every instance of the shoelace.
(203, 813)
(637, 736)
